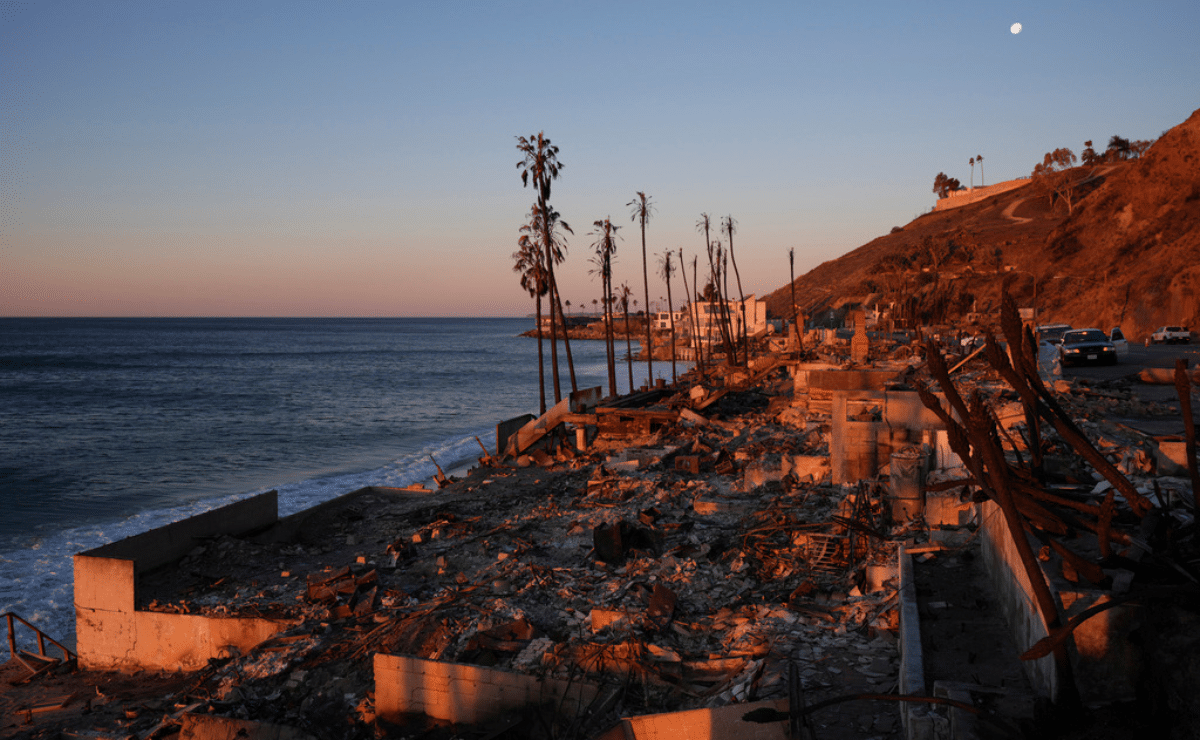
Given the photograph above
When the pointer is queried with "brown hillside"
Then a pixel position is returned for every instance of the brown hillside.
(1128, 254)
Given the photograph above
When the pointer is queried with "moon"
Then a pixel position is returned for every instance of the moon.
(1016, 28)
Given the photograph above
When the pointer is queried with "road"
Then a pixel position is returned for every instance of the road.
(1156, 355)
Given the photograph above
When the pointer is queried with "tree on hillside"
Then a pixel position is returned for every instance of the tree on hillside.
(971, 162)
(1139, 147)
(979, 161)
(540, 165)
(1119, 148)
(1056, 178)
(944, 185)
(666, 269)
(642, 209)
(1089, 156)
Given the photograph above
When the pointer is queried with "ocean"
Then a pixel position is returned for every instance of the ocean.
(110, 427)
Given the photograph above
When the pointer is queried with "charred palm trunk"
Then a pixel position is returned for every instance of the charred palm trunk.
(610, 336)
(541, 360)
(722, 312)
(649, 335)
(628, 342)
(566, 340)
(671, 313)
(741, 297)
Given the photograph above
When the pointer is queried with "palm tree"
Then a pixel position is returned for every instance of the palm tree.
(729, 227)
(666, 269)
(703, 224)
(531, 263)
(979, 161)
(693, 309)
(792, 270)
(541, 166)
(971, 162)
(528, 263)
(642, 208)
(605, 247)
(714, 277)
(595, 306)
(568, 308)
(625, 291)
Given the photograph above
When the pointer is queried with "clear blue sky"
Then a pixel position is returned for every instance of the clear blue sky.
(358, 158)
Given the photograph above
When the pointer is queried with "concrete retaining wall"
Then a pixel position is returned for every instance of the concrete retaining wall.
(112, 635)
(1105, 662)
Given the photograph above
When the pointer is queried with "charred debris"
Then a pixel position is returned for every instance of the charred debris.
(713, 544)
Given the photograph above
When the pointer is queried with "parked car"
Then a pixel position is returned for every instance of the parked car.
(1120, 344)
(1082, 346)
(1171, 335)
(1052, 333)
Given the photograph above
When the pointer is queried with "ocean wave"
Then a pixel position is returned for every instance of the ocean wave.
(36, 573)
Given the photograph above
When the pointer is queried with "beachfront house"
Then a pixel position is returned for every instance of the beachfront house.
(664, 320)
(707, 316)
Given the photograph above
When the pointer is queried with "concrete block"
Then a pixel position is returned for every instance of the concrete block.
(602, 618)
(944, 509)
(104, 584)
(212, 727)
(507, 428)
(879, 575)
(1170, 455)
(720, 723)
(815, 468)
(466, 694)
(761, 472)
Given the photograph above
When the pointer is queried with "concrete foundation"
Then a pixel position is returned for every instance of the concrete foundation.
(467, 694)
(721, 723)
(112, 635)
(867, 426)
(1106, 663)
(213, 727)
(918, 725)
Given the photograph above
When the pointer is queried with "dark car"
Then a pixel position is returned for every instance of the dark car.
(1084, 346)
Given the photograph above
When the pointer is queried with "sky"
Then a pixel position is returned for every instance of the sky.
(358, 159)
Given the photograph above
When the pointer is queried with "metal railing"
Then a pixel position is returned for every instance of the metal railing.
(48, 662)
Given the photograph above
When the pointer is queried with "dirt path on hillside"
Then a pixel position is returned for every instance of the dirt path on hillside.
(1008, 212)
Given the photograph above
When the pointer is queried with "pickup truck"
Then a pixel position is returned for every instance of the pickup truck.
(1171, 335)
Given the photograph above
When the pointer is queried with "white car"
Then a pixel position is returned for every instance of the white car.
(1171, 335)
(1119, 343)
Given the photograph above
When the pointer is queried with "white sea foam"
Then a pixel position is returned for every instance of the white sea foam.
(37, 578)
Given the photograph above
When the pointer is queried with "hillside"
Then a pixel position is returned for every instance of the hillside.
(1127, 254)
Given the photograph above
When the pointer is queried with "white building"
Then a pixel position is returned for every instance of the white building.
(708, 316)
(664, 320)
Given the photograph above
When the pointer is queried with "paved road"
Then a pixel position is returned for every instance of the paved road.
(1157, 355)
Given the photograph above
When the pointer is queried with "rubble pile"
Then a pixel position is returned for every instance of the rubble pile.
(690, 552)
(681, 567)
